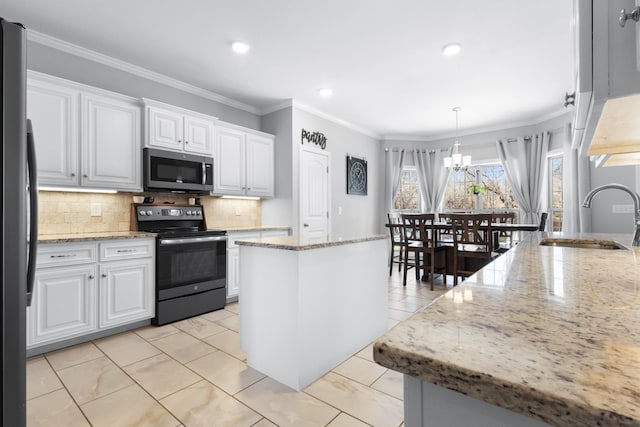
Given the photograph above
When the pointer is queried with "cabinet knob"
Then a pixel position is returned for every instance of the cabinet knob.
(186, 142)
(180, 141)
(84, 175)
(91, 276)
(635, 15)
(104, 276)
(72, 174)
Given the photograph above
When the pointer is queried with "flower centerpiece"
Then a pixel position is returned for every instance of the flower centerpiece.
(477, 189)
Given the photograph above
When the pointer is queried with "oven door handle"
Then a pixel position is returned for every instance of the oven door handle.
(192, 240)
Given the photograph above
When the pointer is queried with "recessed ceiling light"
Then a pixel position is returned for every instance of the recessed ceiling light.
(325, 92)
(240, 47)
(451, 49)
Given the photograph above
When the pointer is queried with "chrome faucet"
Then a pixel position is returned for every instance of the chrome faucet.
(636, 206)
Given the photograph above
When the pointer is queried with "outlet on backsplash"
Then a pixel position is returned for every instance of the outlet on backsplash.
(237, 211)
(96, 209)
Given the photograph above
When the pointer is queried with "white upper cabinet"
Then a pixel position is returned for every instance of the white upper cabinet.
(229, 167)
(111, 131)
(607, 58)
(259, 167)
(244, 162)
(53, 110)
(177, 129)
(198, 134)
(85, 137)
(164, 129)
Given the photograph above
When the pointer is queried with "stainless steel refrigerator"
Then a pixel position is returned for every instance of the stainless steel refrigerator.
(19, 221)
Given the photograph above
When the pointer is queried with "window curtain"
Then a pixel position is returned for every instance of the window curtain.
(576, 183)
(525, 165)
(394, 161)
(432, 178)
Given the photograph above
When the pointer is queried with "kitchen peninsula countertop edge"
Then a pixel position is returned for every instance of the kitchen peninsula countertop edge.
(549, 332)
(297, 243)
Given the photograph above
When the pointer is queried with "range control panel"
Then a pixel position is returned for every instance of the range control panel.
(168, 213)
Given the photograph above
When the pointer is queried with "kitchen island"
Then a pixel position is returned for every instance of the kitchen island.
(544, 335)
(306, 307)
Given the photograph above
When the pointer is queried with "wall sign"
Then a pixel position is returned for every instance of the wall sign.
(356, 176)
(316, 138)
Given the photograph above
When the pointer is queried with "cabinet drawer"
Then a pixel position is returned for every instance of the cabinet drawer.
(127, 249)
(56, 254)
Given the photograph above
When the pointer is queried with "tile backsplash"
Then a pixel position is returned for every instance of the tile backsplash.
(70, 212)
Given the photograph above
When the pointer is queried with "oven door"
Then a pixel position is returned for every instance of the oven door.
(188, 265)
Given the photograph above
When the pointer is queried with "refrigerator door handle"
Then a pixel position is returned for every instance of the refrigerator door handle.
(33, 212)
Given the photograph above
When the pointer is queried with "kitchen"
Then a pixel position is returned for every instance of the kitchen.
(64, 212)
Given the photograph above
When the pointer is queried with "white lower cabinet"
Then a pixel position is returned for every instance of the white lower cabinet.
(124, 292)
(64, 304)
(78, 292)
(233, 256)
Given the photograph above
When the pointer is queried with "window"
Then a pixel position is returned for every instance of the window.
(407, 198)
(493, 192)
(555, 192)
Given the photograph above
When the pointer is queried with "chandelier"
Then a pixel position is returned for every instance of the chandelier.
(457, 161)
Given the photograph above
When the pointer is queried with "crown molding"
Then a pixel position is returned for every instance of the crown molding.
(474, 131)
(319, 113)
(70, 48)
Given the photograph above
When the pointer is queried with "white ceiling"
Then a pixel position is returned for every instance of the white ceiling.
(381, 57)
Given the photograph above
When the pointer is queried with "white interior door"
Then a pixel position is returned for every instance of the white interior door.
(314, 194)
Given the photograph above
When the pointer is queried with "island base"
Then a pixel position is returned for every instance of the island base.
(304, 312)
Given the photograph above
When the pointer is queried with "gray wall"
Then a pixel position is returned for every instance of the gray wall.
(603, 220)
(61, 64)
(360, 214)
(279, 210)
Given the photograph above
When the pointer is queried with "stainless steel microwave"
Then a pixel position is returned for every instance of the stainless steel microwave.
(179, 172)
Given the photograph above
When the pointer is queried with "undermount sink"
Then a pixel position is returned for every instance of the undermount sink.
(582, 243)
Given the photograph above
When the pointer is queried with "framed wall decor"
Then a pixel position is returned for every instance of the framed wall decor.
(356, 176)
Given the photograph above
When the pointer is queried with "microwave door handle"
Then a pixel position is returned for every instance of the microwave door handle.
(204, 173)
(33, 212)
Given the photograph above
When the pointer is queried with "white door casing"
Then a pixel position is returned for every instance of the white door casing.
(314, 194)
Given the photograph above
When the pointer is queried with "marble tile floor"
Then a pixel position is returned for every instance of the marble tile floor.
(193, 373)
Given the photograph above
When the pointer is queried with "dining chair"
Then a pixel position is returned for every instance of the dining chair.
(472, 243)
(543, 221)
(394, 224)
(506, 236)
(420, 239)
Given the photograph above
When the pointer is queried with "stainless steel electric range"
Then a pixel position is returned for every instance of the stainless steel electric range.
(191, 261)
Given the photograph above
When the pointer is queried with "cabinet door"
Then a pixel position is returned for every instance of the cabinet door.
(259, 166)
(53, 110)
(126, 291)
(229, 162)
(164, 129)
(198, 136)
(110, 143)
(233, 272)
(64, 304)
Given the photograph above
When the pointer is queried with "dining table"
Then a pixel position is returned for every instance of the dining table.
(446, 226)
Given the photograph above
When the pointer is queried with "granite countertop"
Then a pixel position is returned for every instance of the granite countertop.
(79, 237)
(297, 243)
(548, 332)
(253, 228)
